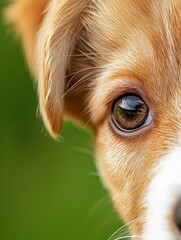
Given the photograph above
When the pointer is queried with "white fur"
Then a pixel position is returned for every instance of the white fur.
(163, 194)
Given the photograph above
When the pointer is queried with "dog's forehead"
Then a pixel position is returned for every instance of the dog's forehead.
(148, 53)
(147, 34)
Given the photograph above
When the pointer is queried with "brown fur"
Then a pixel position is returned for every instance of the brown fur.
(94, 51)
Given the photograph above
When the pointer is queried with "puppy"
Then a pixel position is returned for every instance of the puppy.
(115, 66)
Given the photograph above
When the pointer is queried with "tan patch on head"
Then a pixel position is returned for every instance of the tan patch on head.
(145, 55)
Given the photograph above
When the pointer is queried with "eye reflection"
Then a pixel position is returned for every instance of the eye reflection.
(130, 112)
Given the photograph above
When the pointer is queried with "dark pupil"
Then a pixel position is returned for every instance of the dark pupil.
(130, 112)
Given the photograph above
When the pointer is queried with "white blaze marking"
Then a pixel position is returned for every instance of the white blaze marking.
(163, 193)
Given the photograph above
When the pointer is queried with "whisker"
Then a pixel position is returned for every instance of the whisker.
(133, 236)
(125, 225)
(98, 204)
(83, 150)
(72, 88)
(122, 234)
(94, 174)
(81, 80)
(77, 83)
(90, 119)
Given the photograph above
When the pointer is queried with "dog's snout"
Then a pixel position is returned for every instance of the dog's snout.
(177, 216)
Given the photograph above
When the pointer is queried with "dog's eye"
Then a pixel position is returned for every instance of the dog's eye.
(130, 112)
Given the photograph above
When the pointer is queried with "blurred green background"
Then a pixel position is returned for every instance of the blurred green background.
(49, 190)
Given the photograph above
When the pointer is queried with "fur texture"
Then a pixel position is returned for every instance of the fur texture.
(85, 54)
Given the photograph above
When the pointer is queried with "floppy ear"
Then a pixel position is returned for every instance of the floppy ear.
(26, 17)
(56, 42)
(53, 39)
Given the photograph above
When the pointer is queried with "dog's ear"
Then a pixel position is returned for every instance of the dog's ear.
(56, 42)
(26, 17)
(49, 29)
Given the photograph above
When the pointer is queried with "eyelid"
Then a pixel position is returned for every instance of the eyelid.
(124, 89)
(131, 93)
(101, 102)
(147, 122)
(146, 128)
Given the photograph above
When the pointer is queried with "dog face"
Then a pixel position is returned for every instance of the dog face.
(116, 66)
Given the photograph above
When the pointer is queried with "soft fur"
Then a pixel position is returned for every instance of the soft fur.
(87, 53)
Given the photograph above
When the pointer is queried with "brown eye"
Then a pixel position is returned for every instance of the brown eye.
(130, 112)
